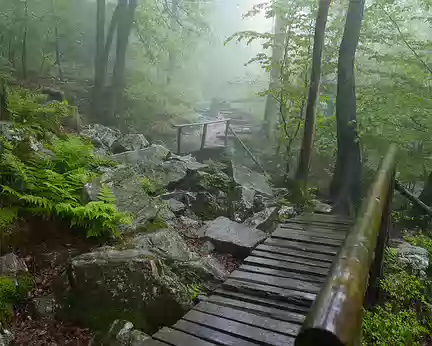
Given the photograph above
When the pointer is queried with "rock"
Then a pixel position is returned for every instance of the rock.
(44, 306)
(182, 196)
(207, 207)
(242, 203)
(10, 132)
(191, 163)
(119, 333)
(232, 237)
(131, 284)
(207, 247)
(286, 212)
(320, 207)
(11, 264)
(175, 206)
(170, 246)
(415, 257)
(101, 136)
(143, 160)
(6, 337)
(129, 142)
(190, 227)
(138, 337)
(245, 177)
(265, 220)
(130, 197)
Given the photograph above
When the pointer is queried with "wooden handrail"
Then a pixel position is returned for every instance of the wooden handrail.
(336, 315)
(202, 123)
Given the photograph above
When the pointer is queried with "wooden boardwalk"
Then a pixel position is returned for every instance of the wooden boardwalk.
(264, 301)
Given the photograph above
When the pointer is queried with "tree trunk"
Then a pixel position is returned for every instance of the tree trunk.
(345, 186)
(309, 126)
(426, 194)
(271, 106)
(24, 42)
(99, 69)
(174, 26)
(3, 101)
(57, 42)
(126, 18)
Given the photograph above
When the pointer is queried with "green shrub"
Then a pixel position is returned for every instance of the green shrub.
(384, 327)
(12, 291)
(7, 217)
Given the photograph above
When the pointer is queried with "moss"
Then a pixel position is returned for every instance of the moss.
(12, 291)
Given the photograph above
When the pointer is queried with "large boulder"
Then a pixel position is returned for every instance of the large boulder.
(208, 206)
(232, 237)
(131, 284)
(101, 136)
(129, 142)
(122, 333)
(245, 177)
(242, 203)
(143, 160)
(11, 264)
(131, 197)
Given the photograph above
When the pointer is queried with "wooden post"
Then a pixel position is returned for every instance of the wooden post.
(179, 134)
(204, 134)
(376, 272)
(226, 132)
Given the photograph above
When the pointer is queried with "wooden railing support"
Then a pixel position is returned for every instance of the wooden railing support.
(179, 135)
(336, 315)
(226, 132)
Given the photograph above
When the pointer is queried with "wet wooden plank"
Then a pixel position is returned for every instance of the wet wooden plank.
(153, 342)
(291, 259)
(297, 253)
(284, 294)
(324, 218)
(327, 250)
(211, 335)
(245, 331)
(176, 337)
(281, 273)
(308, 239)
(263, 301)
(293, 267)
(323, 233)
(249, 318)
(263, 279)
(275, 313)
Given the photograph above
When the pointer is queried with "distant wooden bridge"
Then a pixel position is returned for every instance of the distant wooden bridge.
(305, 285)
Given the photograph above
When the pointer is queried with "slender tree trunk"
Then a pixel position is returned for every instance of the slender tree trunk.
(11, 53)
(309, 127)
(345, 186)
(3, 101)
(127, 13)
(271, 106)
(24, 42)
(57, 42)
(175, 27)
(99, 70)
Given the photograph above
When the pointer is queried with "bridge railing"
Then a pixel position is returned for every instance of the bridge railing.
(336, 316)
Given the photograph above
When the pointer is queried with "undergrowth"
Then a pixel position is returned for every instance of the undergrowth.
(404, 317)
(49, 181)
(12, 291)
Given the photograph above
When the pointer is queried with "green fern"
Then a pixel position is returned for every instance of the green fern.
(106, 195)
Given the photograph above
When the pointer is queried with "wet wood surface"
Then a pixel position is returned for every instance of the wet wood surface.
(265, 301)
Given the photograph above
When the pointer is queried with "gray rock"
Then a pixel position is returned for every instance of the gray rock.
(101, 136)
(175, 206)
(286, 212)
(207, 206)
(121, 333)
(232, 237)
(242, 203)
(138, 337)
(207, 247)
(144, 160)
(415, 257)
(129, 142)
(131, 284)
(245, 177)
(11, 264)
(10, 132)
(185, 197)
(320, 207)
(265, 220)
(169, 246)
(191, 163)
(44, 306)
(6, 337)
(190, 227)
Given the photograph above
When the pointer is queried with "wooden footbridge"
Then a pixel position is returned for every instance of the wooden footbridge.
(305, 285)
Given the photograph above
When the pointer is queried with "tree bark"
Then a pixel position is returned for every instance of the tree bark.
(174, 26)
(310, 118)
(126, 18)
(99, 69)
(345, 186)
(426, 194)
(3, 101)
(271, 106)
(57, 43)
(24, 42)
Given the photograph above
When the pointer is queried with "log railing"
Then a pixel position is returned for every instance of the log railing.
(336, 315)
